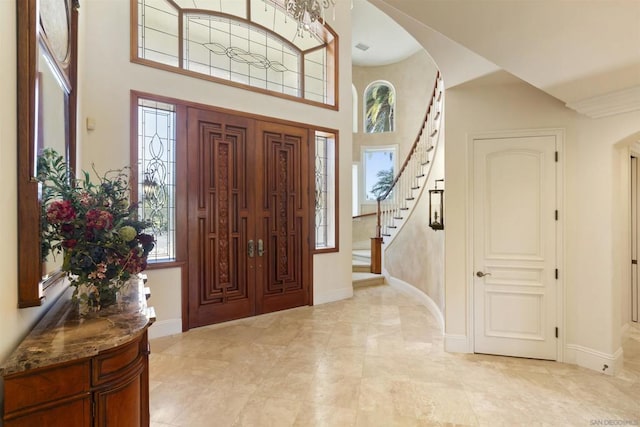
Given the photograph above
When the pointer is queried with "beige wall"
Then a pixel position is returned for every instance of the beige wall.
(107, 80)
(416, 255)
(591, 253)
(363, 229)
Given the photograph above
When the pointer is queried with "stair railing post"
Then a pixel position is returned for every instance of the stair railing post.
(376, 245)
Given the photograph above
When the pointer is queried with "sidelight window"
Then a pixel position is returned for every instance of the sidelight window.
(156, 174)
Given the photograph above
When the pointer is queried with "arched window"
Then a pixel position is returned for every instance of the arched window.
(379, 107)
(250, 44)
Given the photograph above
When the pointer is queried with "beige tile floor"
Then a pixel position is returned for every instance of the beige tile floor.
(374, 360)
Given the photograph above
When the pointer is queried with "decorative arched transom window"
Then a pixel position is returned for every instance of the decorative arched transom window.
(379, 107)
(246, 43)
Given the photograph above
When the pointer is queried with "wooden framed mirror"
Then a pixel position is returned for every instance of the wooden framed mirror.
(47, 64)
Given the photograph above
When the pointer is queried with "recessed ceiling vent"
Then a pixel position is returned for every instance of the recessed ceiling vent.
(363, 47)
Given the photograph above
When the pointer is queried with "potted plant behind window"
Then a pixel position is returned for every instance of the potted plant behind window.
(94, 228)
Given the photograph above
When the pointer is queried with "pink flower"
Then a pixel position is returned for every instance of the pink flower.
(85, 199)
(60, 211)
(99, 272)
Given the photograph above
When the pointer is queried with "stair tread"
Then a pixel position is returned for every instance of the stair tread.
(361, 252)
(364, 268)
(367, 279)
(355, 275)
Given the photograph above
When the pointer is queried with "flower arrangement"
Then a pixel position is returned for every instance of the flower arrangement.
(93, 226)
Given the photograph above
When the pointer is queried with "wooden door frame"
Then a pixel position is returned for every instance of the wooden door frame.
(558, 134)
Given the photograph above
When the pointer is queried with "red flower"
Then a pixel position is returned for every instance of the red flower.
(99, 219)
(60, 211)
(66, 230)
(147, 241)
(70, 244)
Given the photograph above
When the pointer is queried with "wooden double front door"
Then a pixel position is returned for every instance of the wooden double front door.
(248, 217)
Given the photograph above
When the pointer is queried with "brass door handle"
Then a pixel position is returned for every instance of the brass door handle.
(481, 274)
(250, 249)
(260, 247)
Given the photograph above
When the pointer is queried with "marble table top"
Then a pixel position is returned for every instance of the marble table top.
(62, 335)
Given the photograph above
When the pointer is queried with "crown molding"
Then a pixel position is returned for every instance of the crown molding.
(610, 104)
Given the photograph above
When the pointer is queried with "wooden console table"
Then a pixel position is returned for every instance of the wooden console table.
(92, 371)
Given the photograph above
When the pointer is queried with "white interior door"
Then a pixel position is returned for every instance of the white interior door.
(514, 249)
(635, 298)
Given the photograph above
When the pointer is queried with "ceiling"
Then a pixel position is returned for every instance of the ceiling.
(573, 50)
(388, 42)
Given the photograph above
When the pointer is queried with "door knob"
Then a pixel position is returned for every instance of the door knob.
(260, 247)
(481, 274)
(250, 249)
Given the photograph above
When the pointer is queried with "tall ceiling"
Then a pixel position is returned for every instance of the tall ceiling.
(386, 42)
(573, 50)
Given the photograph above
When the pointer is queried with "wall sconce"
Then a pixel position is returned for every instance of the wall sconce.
(436, 207)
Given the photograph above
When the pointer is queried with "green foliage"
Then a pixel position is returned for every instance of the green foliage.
(384, 183)
(92, 225)
(379, 109)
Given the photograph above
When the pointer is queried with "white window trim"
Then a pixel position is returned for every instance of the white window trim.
(361, 181)
(364, 105)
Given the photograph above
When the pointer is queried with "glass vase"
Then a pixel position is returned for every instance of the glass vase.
(93, 297)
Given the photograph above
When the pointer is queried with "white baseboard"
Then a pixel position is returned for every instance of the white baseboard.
(332, 295)
(456, 344)
(165, 328)
(420, 296)
(594, 359)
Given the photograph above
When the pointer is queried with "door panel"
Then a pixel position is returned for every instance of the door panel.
(248, 217)
(220, 285)
(515, 246)
(284, 217)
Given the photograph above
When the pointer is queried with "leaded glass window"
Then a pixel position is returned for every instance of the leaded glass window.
(157, 174)
(252, 43)
(325, 191)
(235, 51)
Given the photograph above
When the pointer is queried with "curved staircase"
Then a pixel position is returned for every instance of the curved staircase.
(397, 203)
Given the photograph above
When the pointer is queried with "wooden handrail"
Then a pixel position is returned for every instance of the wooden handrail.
(363, 215)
